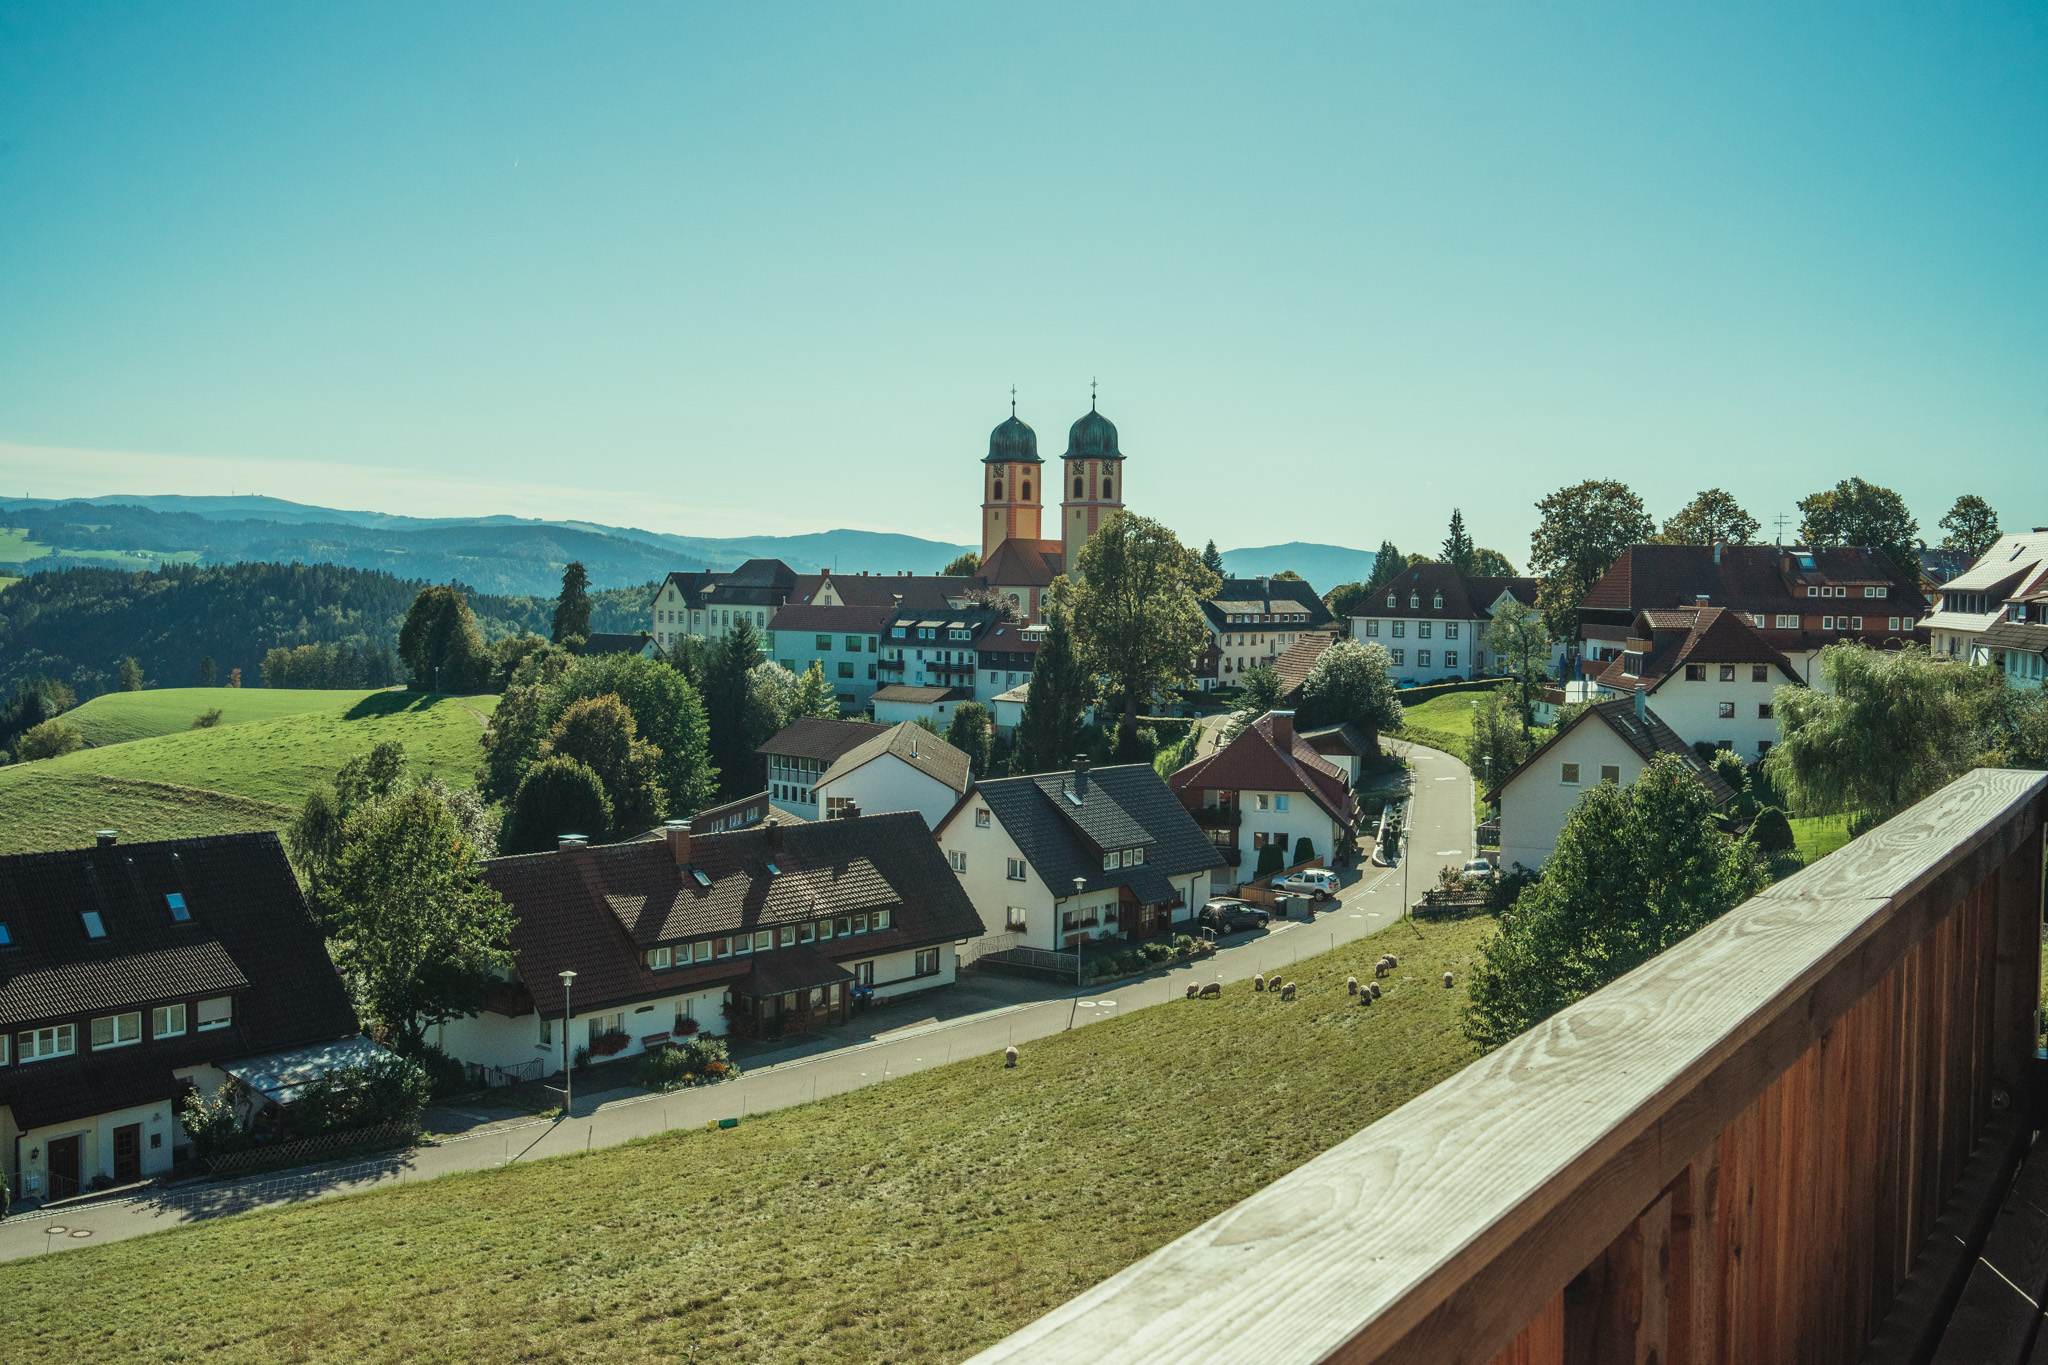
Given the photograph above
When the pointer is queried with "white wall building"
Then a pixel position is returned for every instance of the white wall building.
(1708, 672)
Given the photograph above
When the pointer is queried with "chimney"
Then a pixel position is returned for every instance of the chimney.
(1283, 729)
(677, 833)
(773, 828)
(1719, 546)
(1081, 776)
(1642, 704)
(564, 843)
(1699, 599)
(850, 811)
(106, 838)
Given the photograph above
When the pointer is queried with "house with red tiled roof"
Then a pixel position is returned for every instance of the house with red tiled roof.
(1710, 672)
(1799, 600)
(1432, 621)
(1269, 785)
(762, 932)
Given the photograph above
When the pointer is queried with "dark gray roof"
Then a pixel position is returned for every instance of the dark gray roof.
(2018, 637)
(1648, 736)
(605, 642)
(1125, 807)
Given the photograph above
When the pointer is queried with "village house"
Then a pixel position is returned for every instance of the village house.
(1055, 859)
(1799, 600)
(1268, 787)
(1252, 622)
(1710, 672)
(131, 974)
(1609, 741)
(766, 931)
(799, 754)
(1432, 621)
(635, 642)
(903, 767)
(896, 703)
(1005, 654)
(844, 641)
(2007, 585)
(706, 605)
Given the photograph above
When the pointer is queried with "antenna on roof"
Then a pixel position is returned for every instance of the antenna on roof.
(1781, 519)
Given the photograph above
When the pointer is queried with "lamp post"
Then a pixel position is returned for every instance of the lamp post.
(1080, 886)
(1404, 861)
(568, 1075)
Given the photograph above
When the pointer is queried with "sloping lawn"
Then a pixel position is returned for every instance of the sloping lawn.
(40, 809)
(119, 717)
(1816, 836)
(914, 1221)
(1444, 723)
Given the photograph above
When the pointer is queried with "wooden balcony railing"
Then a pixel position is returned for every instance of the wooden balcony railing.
(1735, 1152)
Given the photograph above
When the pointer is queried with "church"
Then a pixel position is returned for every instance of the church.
(1018, 560)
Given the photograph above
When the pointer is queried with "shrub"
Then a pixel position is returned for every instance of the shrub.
(1183, 943)
(1156, 952)
(1271, 859)
(1772, 832)
(391, 1089)
(51, 739)
(1304, 849)
(206, 720)
(214, 1122)
(445, 1075)
(1131, 961)
(667, 1069)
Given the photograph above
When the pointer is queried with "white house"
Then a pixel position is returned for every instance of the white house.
(1609, 741)
(899, 702)
(1994, 590)
(1252, 622)
(906, 767)
(1054, 859)
(766, 931)
(1268, 786)
(1432, 620)
(799, 754)
(1710, 672)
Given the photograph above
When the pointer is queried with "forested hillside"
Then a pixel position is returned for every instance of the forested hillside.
(76, 625)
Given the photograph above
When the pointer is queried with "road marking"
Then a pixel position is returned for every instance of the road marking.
(1452, 778)
(1358, 917)
(1449, 852)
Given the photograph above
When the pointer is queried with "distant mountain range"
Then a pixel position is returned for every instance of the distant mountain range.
(494, 554)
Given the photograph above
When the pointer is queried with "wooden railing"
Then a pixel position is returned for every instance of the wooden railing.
(1735, 1152)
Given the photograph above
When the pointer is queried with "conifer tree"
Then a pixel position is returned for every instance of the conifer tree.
(1458, 545)
(1212, 559)
(572, 609)
(1050, 728)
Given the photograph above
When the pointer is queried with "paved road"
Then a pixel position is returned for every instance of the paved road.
(1440, 834)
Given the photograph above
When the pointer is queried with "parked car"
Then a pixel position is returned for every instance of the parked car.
(1407, 682)
(1478, 867)
(1228, 916)
(1314, 881)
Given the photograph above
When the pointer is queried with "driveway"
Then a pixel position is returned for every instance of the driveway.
(978, 1016)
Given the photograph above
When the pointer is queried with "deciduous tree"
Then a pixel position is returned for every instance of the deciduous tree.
(556, 796)
(970, 733)
(1583, 531)
(1137, 615)
(441, 644)
(1971, 526)
(814, 696)
(965, 565)
(1635, 870)
(1261, 687)
(1711, 517)
(1352, 684)
(600, 733)
(49, 739)
(1857, 513)
(1344, 601)
(1500, 735)
(1520, 641)
(1491, 564)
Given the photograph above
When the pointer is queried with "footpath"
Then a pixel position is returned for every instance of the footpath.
(1440, 834)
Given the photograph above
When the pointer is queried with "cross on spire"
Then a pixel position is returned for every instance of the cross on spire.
(1091, 395)
(1013, 400)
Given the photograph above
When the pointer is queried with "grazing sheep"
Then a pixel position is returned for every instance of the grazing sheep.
(1381, 968)
(1393, 961)
(1351, 984)
(1193, 990)
(1447, 980)
(1375, 990)
(1259, 981)
(1287, 991)
(1365, 997)
(1212, 990)
(1010, 1055)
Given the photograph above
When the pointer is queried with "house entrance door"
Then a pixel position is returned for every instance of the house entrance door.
(128, 1154)
(64, 1180)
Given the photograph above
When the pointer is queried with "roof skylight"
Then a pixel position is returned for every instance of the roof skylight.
(176, 900)
(5, 937)
(703, 877)
(93, 927)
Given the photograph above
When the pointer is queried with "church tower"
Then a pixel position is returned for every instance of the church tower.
(1010, 481)
(1093, 486)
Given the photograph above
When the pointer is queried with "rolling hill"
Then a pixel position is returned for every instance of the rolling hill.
(1325, 566)
(118, 717)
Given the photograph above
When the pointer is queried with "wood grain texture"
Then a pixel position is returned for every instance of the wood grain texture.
(1847, 995)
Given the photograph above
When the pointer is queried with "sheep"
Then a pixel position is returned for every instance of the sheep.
(1010, 1055)
(1447, 980)
(1193, 990)
(1287, 991)
(1212, 990)
(1351, 984)
(1365, 997)
(1375, 990)
(1393, 962)
(1381, 968)
(1259, 981)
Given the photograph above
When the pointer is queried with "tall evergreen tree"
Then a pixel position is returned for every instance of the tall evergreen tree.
(727, 706)
(1458, 545)
(209, 672)
(572, 608)
(971, 735)
(1049, 731)
(1387, 565)
(1212, 559)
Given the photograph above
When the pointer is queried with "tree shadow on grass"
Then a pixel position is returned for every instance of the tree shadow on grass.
(395, 703)
(194, 1203)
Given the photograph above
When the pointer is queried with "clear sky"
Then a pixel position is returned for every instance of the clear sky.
(721, 269)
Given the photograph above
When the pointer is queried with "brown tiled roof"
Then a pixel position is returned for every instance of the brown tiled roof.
(912, 744)
(2017, 637)
(250, 935)
(930, 592)
(1336, 739)
(1464, 598)
(1759, 579)
(1257, 761)
(922, 695)
(1298, 660)
(820, 739)
(790, 969)
(1670, 639)
(1648, 737)
(1008, 638)
(596, 910)
(1024, 564)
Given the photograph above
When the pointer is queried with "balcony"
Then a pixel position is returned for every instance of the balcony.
(1217, 817)
(1782, 1140)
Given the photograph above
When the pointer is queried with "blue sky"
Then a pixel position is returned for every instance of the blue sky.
(744, 268)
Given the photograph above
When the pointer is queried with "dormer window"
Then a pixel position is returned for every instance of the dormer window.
(1438, 602)
(93, 927)
(176, 900)
(1390, 599)
(218, 1012)
(1414, 600)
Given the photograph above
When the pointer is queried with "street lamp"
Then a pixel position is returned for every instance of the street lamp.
(1080, 886)
(1405, 810)
(568, 1075)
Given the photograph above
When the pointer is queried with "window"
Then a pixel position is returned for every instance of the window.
(959, 860)
(1695, 672)
(1016, 870)
(1765, 712)
(1137, 857)
(1422, 630)
(1013, 921)
(981, 817)
(1727, 672)
(1894, 624)
(1372, 630)
(1077, 489)
(1727, 710)
(176, 901)
(1905, 623)
(1390, 599)
(786, 936)
(1262, 802)
(34, 1045)
(93, 927)
(879, 920)
(1400, 629)
(167, 1021)
(927, 961)
(1414, 600)
(117, 1030)
(721, 947)
(1759, 672)
(1109, 861)
(1280, 801)
(845, 669)
(1827, 623)
(1422, 658)
(1855, 623)
(824, 643)
(658, 958)
(1813, 592)
(1105, 490)
(806, 932)
(1398, 656)
(1788, 623)
(1570, 776)
(1450, 630)
(218, 1012)
(1450, 658)
(700, 951)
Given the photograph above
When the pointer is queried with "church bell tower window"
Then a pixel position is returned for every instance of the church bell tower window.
(1078, 489)
(1105, 491)
(999, 493)
(1027, 490)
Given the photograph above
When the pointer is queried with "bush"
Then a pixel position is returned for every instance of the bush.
(1183, 943)
(666, 1069)
(445, 1075)
(1772, 832)
(1156, 952)
(1271, 859)
(51, 739)
(206, 720)
(1304, 849)
(709, 1056)
(391, 1089)
(214, 1122)
(1131, 961)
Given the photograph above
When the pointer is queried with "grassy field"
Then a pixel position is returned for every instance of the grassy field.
(119, 717)
(913, 1221)
(231, 777)
(16, 548)
(1816, 836)
(1445, 723)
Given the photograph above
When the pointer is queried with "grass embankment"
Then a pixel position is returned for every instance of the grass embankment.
(1816, 836)
(231, 777)
(913, 1221)
(1445, 723)
(119, 717)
